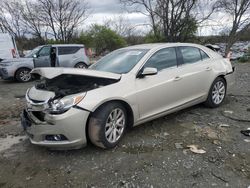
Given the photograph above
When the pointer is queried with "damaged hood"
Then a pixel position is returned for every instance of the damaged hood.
(54, 72)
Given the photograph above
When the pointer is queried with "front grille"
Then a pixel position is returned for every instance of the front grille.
(39, 115)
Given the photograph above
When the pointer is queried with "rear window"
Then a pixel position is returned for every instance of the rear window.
(190, 54)
(68, 50)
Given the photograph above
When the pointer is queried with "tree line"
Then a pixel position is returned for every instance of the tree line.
(60, 21)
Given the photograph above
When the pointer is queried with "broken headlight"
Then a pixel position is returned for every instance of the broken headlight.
(62, 105)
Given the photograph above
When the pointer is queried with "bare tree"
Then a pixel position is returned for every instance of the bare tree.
(146, 7)
(239, 11)
(175, 20)
(120, 24)
(31, 18)
(63, 17)
(10, 18)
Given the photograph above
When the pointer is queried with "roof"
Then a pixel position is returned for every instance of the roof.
(157, 45)
(66, 45)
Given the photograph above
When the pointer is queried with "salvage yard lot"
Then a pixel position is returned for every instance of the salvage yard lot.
(151, 155)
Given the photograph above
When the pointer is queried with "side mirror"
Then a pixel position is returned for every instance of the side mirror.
(35, 55)
(147, 72)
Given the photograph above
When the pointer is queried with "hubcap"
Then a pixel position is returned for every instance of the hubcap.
(115, 125)
(81, 66)
(218, 92)
(25, 75)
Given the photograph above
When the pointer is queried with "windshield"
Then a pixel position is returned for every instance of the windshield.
(119, 61)
(32, 52)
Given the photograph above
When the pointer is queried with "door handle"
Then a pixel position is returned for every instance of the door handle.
(208, 69)
(177, 78)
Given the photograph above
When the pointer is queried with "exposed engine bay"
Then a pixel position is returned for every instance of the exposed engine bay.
(67, 84)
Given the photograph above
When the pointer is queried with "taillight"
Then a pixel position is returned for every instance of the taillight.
(13, 52)
(86, 51)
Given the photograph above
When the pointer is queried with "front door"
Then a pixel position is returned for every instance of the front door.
(43, 57)
(158, 93)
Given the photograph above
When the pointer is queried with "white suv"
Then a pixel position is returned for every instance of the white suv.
(62, 55)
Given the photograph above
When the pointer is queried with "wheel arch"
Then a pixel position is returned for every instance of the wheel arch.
(223, 77)
(77, 62)
(128, 108)
(19, 69)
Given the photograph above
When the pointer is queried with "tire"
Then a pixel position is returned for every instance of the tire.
(23, 75)
(81, 66)
(102, 131)
(217, 93)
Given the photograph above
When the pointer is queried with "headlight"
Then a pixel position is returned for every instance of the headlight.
(64, 104)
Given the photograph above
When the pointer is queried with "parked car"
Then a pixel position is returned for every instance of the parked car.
(8, 49)
(128, 87)
(18, 68)
(62, 55)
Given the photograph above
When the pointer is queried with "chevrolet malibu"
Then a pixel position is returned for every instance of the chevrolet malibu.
(128, 87)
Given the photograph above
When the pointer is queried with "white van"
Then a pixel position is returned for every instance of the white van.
(8, 49)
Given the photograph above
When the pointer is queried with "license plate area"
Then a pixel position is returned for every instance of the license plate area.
(25, 120)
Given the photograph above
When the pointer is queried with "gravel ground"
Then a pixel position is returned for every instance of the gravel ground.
(151, 155)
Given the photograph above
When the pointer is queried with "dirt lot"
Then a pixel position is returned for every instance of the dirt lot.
(150, 155)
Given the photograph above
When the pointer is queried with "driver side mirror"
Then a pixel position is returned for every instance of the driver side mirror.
(147, 72)
(35, 56)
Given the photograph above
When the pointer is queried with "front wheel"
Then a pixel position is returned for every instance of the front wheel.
(217, 93)
(23, 75)
(107, 125)
(81, 66)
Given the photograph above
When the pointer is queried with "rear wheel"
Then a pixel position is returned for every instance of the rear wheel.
(81, 66)
(23, 75)
(217, 93)
(107, 125)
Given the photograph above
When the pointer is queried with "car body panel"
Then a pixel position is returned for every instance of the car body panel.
(149, 97)
(9, 67)
(68, 124)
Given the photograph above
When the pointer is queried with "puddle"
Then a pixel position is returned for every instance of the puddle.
(9, 141)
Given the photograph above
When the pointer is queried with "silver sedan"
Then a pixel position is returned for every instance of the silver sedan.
(128, 87)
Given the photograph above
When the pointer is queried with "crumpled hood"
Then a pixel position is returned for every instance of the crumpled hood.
(54, 72)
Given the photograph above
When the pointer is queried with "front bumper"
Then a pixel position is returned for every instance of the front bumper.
(7, 73)
(230, 78)
(71, 124)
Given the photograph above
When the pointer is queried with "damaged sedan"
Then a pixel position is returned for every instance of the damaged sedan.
(69, 107)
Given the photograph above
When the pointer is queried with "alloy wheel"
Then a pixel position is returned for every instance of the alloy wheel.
(25, 75)
(218, 92)
(115, 125)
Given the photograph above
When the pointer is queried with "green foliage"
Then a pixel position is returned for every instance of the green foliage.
(152, 38)
(102, 39)
(245, 58)
(187, 33)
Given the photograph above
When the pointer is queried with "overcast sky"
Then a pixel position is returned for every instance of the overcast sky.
(105, 9)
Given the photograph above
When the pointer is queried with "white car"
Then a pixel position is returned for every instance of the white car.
(128, 87)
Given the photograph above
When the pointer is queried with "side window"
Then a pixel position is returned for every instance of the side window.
(162, 59)
(190, 54)
(67, 50)
(203, 55)
(45, 51)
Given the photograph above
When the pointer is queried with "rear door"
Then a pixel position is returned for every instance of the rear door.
(66, 55)
(43, 57)
(194, 74)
